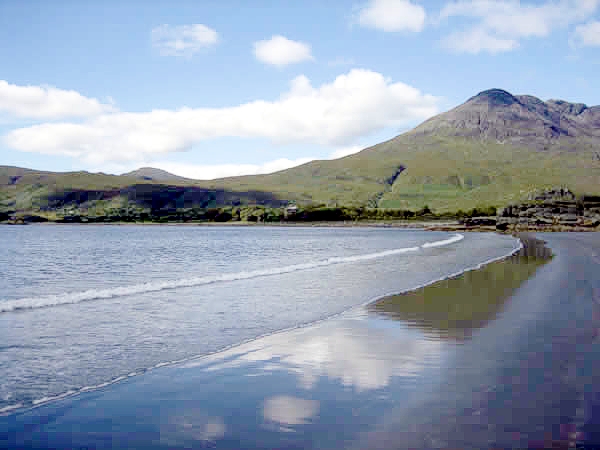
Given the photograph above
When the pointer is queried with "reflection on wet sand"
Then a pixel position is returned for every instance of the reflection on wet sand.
(191, 425)
(364, 354)
(286, 410)
(353, 353)
(453, 308)
(527, 379)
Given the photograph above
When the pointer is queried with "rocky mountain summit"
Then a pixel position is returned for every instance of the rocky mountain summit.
(521, 120)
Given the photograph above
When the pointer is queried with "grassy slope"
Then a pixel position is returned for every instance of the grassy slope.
(31, 191)
(352, 180)
(445, 173)
(32, 188)
(455, 173)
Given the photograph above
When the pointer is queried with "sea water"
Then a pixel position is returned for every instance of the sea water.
(85, 306)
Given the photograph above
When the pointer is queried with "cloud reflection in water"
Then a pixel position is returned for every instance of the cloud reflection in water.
(353, 352)
(192, 425)
(287, 410)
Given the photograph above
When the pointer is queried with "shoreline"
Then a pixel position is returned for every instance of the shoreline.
(434, 225)
(341, 224)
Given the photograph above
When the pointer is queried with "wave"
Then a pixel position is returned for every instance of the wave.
(143, 288)
(452, 240)
(9, 408)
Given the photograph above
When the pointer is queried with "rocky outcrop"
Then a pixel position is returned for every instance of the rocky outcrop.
(521, 120)
(479, 222)
(551, 209)
(561, 194)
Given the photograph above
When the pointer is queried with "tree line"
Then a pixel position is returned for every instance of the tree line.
(251, 214)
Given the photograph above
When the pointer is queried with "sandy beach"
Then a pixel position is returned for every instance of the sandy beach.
(506, 356)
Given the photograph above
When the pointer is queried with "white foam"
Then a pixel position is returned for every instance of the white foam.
(99, 294)
(9, 408)
(452, 240)
(42, 400)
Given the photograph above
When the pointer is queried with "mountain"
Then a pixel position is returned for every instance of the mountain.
(152, 174)
(490, 151)
(32, 191)
(493, 150)
(521, 120)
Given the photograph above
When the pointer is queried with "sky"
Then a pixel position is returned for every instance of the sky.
(208, 89)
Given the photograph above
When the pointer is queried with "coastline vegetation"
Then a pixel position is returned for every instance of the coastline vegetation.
(557, 209)
(242, 214)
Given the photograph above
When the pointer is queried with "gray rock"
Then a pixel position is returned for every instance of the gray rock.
(520, 120)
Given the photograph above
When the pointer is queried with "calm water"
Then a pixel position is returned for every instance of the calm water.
(81, 306)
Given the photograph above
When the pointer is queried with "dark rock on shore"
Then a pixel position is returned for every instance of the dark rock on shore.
(556, 208)
(22, 219)
(479, 222)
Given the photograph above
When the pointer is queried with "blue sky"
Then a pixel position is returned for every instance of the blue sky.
(207, 89)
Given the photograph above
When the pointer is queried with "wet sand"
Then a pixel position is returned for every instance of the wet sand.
(506, 356)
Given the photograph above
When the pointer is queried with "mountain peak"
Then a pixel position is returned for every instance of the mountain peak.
(522, 120)
(566, 107)
(151, 173)
(494, 97)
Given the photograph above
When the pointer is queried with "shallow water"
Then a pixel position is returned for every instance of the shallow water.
(83, 306)
(456, 307)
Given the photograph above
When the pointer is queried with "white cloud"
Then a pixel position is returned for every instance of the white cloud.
(346, 151)
(500, 24)
(280, 51)
(47, 102)
(588, 34)
(334, 114)
(183, 40)
(392, 15)
(213, 171)
(478, 40)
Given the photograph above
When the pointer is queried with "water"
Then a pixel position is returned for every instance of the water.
(83, 306)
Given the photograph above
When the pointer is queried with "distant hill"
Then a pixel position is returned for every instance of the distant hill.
(493, 150)
(32, 191)
(152, 174)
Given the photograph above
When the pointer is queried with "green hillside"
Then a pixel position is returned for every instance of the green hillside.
(25, 191)
(456, 173)
(444, 173)
(493, 150)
